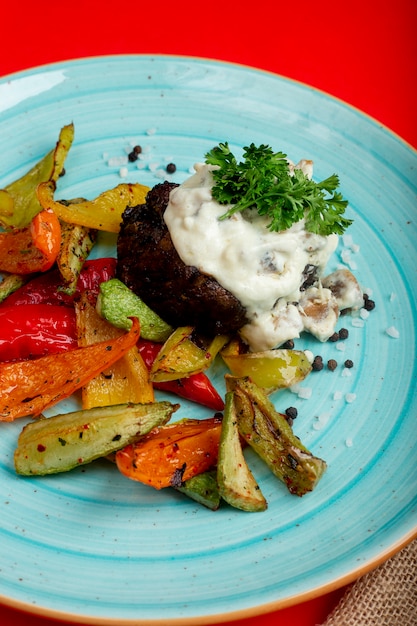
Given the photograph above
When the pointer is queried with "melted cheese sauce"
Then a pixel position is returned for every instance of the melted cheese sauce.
(262, 269)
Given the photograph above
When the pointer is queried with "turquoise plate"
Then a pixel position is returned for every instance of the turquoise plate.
(94, 546)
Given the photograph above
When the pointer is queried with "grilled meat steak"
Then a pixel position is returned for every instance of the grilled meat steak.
(148, 263)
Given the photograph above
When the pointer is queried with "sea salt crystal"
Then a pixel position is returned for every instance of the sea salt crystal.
(338, 395)
(364, 314)
(123, 172)
(153, 166)
(392, 297)
(161, 174)
(323, 418)
(357, 322)
(341, 346)
(392, 332)
(305, 393)
(345, 255)
(117, 161)
(348, 442)
(347, 258)
(346, 372)
(347, 240)
(309, 355)
(350, 397)
(151, 131)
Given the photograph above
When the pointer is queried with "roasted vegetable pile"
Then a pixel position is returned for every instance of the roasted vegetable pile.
(67, 325)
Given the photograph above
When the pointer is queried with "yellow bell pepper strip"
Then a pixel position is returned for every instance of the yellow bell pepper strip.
(127, 380)
(30, 387)
(18, 201)
(170, 455)
(102, 213)
(33, 248)
(271, 369)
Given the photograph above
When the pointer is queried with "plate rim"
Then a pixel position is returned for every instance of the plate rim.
(270, 606)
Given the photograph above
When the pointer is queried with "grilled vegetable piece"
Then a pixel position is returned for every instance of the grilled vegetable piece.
(197, 387)
(33, 248)
(172, 454)
(9, 283)
(18, 201)
(203, 488)
(180, 356)
(117, 303)
(271, 369)
(102, 213)
(237, 484)
(60, 443)
(38, 330)
(127, 380)
(269, 434)
(76, 244)
(30, 387)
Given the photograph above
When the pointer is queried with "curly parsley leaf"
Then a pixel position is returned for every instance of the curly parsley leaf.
(263, 181)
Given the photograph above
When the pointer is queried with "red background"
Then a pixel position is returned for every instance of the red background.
(364, 53)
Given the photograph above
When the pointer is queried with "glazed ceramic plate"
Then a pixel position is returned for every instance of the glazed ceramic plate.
(96, 546)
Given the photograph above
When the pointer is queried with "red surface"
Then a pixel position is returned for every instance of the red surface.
(364, 53)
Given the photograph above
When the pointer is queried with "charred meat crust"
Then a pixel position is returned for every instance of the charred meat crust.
(149, 264)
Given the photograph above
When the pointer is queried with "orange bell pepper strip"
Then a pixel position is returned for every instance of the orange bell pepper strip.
(170, 455)
(33, 248)
(30, 387)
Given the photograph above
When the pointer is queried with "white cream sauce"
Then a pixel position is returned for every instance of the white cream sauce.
(261, 268)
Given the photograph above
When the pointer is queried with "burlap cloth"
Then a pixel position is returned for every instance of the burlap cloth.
(387, 596)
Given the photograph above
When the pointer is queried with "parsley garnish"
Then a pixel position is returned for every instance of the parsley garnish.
(263, 181)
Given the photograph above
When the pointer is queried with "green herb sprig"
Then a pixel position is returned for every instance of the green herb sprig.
(263, 181)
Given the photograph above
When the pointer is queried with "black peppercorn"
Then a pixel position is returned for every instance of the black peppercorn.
(317, 364)
(348, 363)
(171, 168)
(133, 156)
(291, 412)
(331, 364)
(368, 304)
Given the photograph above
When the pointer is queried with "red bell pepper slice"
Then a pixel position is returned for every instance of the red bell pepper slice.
(45, 288)
(29, 387)
(197, 387)
(36, 330)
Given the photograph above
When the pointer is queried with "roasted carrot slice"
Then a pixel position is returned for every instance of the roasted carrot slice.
(170, 455)
(30, 387)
